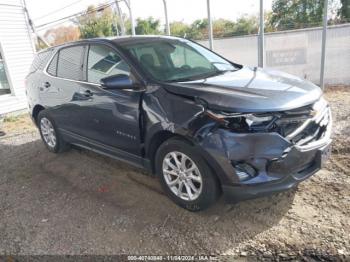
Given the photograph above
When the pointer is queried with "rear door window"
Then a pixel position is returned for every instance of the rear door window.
(70, 63)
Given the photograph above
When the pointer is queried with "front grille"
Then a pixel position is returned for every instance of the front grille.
(308, 126)
(289, 121)
(314, 131)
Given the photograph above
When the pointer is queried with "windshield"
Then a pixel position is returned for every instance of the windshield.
(173, 60)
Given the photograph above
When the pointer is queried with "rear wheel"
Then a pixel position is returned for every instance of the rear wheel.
(49, 133)
(185, 176)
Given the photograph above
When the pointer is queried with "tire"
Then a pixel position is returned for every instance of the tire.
(205, 182)
(55, 142)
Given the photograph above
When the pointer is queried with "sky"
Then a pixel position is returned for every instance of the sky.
(178, 10)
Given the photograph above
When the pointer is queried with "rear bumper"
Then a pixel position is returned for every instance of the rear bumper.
(317, 157)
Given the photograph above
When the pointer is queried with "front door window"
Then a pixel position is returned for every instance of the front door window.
(104, 62)
(4, 83)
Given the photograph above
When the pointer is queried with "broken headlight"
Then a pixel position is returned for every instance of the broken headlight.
(243, 122)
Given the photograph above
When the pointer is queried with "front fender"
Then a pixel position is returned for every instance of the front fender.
(177, 115)
(163, 111)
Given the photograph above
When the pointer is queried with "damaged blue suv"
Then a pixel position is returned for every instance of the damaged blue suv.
(204, 125)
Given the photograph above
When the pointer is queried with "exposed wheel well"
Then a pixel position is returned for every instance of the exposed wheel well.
(158, 139)
(36, 111)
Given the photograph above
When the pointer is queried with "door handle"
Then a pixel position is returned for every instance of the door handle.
(47, 84)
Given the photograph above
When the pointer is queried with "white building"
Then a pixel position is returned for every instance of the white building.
(16, 55)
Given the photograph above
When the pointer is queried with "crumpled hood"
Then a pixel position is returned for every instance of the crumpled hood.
(250, 90)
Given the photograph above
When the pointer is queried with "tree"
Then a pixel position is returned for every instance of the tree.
(62, 35)
(290, 14)
(199, 29)
(179, 29)
(222, 27)
(97, 22)
(149, 26)
(267, 19)
(246, 25)
(344, 10)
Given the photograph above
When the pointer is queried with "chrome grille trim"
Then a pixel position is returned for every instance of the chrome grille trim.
(326, 136)
(321, 108)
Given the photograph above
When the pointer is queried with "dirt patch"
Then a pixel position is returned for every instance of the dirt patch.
(82, 203)
(16, 124)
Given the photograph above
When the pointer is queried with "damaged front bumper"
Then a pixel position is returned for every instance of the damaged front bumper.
(278, 163)
(279, 175)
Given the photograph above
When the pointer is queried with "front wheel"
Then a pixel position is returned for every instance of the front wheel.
(185, 176)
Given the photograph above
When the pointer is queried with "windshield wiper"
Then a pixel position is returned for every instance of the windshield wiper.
(235, 68)
(199, 77)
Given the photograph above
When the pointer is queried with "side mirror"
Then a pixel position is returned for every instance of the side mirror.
(117, 82)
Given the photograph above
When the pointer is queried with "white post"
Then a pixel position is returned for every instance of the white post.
(120, 15)
(324, 41)
(261, 42)
(210, 28)
(132, 19)
(30, 23)
(166, 18)
(28, 26)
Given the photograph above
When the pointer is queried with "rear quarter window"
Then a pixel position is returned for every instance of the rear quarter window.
(52, 69)
(40, 60)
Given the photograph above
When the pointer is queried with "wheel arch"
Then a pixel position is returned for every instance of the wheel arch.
(196, 149)
(156, 140)
(161, 136)
(35, 112)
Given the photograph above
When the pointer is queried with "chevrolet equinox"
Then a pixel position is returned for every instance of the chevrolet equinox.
(204, 125)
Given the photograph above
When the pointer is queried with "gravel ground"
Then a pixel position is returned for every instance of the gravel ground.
(82, 203)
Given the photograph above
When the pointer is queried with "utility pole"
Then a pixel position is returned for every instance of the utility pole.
(128, 4)
(324, 42)
(210, 27)
(261, 42)
(31, 24)
(167, 26)
(120, 15)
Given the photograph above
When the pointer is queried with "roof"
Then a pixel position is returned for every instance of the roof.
(140, 38)
(122, 40)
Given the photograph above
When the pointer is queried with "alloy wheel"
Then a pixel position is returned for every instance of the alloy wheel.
(182, 176)
(48, 132)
